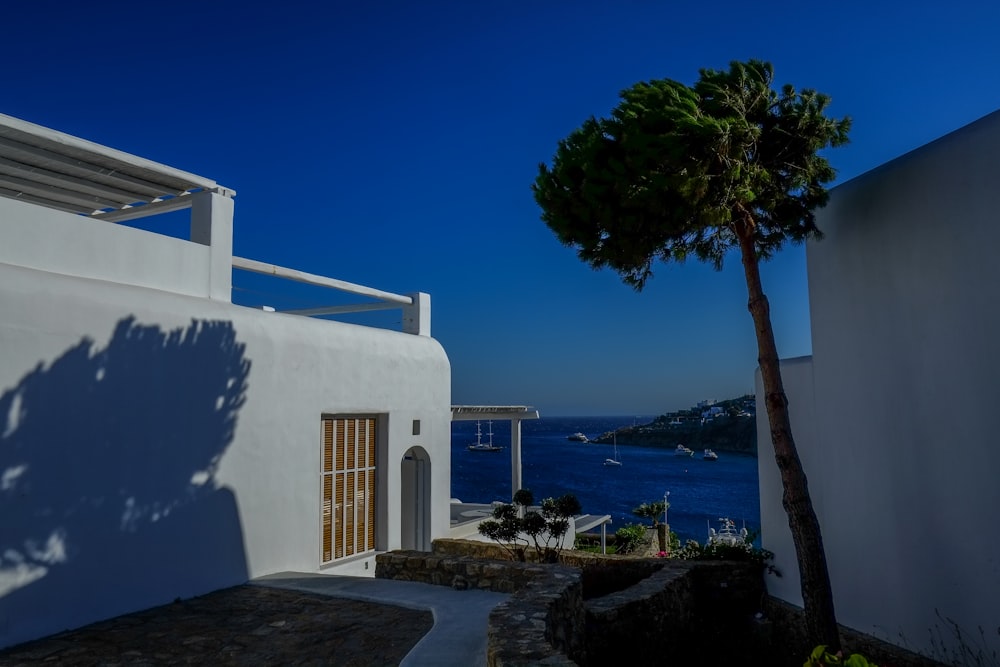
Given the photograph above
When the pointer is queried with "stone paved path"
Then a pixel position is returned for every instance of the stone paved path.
(244, 625)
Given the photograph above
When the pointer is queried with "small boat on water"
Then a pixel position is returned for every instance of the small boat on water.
(481, 446)
(614, 461)
(709, 455)
(683, 451)
(577, 437)
(727, 533)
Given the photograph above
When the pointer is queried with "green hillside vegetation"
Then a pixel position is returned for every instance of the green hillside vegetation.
(733, 429)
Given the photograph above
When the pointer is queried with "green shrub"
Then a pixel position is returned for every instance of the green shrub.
(743, 551)
(653, 511)
(514, 526)
(820, 658)
(629, 538)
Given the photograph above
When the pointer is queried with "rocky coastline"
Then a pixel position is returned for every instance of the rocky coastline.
(732, 428)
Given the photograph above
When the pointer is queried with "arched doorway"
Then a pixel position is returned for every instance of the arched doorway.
(415, 500)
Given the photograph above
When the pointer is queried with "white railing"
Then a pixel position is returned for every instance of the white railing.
(416, 307)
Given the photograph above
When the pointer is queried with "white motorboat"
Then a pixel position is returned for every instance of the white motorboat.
(727, 534)
(683, 451)
(577, 437)
(709, 455)
(481, 446)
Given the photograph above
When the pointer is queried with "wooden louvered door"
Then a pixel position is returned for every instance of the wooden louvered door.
(348, 487)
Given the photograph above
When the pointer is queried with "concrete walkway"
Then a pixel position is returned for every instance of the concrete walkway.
(458, 637)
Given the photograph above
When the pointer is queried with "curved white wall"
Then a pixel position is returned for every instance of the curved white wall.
(117, 403)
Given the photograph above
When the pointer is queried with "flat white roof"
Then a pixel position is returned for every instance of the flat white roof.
(57, 170)
(474, 412)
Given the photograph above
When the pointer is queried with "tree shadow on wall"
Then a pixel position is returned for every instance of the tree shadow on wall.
(108, 458)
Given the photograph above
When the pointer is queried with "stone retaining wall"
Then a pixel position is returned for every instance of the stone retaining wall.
(542, 622)
(676, 614)
(601, 574)
(592, 609)
(647, 607)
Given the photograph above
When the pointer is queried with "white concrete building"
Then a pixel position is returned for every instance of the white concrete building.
(894, 414)
(158, 441)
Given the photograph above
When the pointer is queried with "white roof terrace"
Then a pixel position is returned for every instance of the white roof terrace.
(48, 168)
(465, 517)
(60, 171)
(514, 413)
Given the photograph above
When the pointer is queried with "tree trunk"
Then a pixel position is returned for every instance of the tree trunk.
(817, 596)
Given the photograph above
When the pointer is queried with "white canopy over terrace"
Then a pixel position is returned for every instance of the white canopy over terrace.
(45, 167)
(516, 414)
(67, 173)
(468, 515)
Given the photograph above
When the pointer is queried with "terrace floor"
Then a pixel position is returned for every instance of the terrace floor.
(285, 619)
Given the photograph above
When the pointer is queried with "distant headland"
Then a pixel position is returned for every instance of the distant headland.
(728, 426)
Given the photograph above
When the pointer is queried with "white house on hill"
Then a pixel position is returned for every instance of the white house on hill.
(894, 414)
(158, 441)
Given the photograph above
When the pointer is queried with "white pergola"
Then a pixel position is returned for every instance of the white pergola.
(45, 167)
(515, 414)
(57, 170)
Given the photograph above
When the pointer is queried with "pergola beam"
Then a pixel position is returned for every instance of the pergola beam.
(32, 155)
(513, 413)
(132, 212)
(340, 310)
(48, 177)
(55, 193)
(57, 170)
(320, 281)
(41, 201)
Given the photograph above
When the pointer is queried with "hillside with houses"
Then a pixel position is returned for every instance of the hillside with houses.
(726, 425)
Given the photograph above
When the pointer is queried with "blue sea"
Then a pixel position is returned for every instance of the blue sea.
(700, 491)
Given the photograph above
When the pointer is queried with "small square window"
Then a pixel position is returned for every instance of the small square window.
(416, 427)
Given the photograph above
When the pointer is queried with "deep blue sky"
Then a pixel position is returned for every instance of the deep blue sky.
(393, 144)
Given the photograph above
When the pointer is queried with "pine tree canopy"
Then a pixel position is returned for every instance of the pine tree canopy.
(679, 171)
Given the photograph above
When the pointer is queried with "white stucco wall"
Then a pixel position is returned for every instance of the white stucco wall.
(902, 452)
(42, 238)
(112, 399)
(797, 376)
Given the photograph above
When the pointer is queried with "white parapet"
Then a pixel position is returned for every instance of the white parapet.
(417, 315)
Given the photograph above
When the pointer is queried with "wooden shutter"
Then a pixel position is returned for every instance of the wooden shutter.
(370, 490)
(341, 434)
(348, 487)
(327, 547)
(338, 518)
(361, 500)
(352, 444)
(327, 445)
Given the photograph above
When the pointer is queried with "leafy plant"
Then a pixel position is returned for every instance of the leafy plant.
(515, 525)
(743, 551)
(961, 647)
(653, 510)
(820, 657)
(673, 543)
(628, 538)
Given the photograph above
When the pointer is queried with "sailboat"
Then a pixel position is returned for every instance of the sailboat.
(614, 461)
(481, 446)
